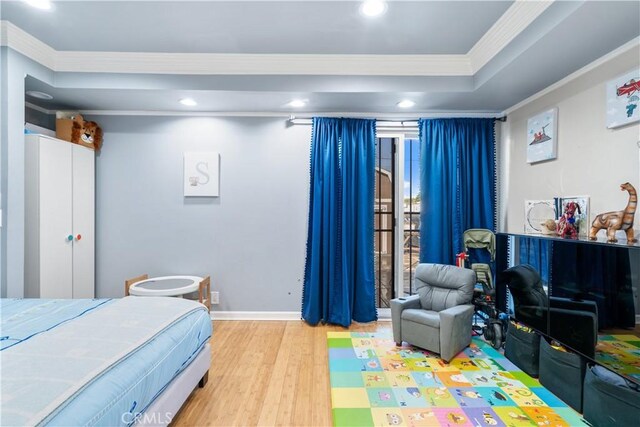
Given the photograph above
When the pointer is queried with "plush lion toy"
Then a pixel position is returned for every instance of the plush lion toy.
(88, 134)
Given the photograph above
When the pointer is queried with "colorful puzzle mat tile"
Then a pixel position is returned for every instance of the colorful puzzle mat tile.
(620, 353)
(375, 383)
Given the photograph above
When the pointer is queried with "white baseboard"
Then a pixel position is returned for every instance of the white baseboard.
(384, 315)
(256, 315)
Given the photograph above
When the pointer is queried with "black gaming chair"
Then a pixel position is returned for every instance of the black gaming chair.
(573, 323)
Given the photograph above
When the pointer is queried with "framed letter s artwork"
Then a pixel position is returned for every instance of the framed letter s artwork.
(201, 174)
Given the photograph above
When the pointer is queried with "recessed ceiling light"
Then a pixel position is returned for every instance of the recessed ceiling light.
(38, 94)
(373, 8)
(188, 102)
(39, 4)
(297, 103)
(406, 103)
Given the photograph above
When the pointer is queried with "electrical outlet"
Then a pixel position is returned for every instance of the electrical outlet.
(215, 297)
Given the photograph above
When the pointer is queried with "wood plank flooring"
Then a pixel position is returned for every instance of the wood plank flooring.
(267, 374)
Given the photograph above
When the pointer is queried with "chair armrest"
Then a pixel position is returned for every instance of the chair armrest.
(398, 305)
(458, 310)
(455, 330)
(412, 301)
(569, 304)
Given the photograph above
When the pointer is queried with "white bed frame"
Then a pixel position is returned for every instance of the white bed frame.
(166, 406)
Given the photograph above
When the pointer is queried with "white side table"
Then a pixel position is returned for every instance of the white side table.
(170, 286)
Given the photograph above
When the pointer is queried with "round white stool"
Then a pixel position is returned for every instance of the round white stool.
(172, 286)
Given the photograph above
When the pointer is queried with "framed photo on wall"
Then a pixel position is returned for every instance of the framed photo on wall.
(623, 94)
(542, 136)
(201, 174)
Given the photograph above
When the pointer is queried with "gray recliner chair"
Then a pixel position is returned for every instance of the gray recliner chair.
(438, 318)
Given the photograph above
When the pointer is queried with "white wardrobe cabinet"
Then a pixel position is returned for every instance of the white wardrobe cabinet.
(59, 219)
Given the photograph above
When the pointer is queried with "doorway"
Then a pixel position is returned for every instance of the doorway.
(385, 221)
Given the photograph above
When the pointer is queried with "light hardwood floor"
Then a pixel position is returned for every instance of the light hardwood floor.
(268, 374)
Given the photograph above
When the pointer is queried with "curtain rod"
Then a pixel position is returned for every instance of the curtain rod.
(398, 123)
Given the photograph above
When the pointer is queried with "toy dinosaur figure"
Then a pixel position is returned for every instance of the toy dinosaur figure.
(617, 220)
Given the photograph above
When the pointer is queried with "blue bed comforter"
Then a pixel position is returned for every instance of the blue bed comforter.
(93, 362)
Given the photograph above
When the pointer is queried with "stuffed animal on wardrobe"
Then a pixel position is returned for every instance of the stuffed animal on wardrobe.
(86, 133)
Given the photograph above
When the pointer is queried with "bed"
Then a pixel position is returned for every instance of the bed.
(101, 361)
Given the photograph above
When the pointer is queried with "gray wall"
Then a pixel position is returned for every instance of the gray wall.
(13, 69)
(251, 239)
(592, 160)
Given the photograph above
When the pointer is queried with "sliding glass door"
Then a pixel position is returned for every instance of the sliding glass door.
(411, 214)
(397, 216)
(384, 227)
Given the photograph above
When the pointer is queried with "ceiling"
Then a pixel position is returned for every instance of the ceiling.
(255, 57)
(289, 27)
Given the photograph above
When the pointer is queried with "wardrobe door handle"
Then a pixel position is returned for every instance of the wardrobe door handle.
(70, 237)
(79, 236)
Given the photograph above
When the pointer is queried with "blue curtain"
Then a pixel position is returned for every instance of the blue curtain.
(457, 182)
(536, 252)
(339, 282)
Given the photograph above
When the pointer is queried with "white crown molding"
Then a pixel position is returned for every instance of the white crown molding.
(224, 64)
(263, 64)
(381, 117)
(632, 44)
(518, 17)
(23, 42)
(509, 25)
(515, 19)
(287, 115)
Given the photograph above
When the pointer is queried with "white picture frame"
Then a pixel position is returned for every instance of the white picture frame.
(201, 174)
(623, 99)
(536, 212)
(542, 136)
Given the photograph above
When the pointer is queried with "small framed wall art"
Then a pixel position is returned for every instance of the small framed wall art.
(623, 94)
(201, 174)
(542, 136)
(536, 212)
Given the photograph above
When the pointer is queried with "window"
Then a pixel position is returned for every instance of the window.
(411, 217)
(384, 230)
(397, 196)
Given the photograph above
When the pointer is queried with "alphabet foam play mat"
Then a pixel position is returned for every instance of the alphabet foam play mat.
(373, 382)
(620, 353)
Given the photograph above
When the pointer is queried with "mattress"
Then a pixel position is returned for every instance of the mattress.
(93, 362)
